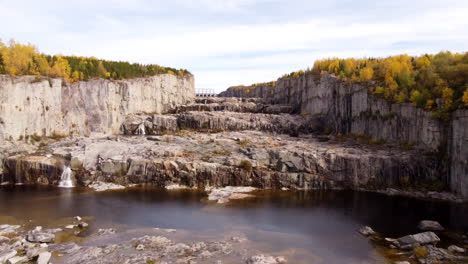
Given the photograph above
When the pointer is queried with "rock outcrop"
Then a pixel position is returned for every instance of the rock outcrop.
(348, 108)
(244, 158)
(32, 107)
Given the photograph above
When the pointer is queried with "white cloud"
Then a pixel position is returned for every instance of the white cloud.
(186, 34)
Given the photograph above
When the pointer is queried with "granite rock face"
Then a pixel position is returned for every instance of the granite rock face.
(214, 122)
(351, 109)
(346, 108)
(243, 158)
(459, 153)
(54, 108)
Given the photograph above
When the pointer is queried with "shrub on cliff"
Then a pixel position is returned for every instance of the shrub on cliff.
(18, 59)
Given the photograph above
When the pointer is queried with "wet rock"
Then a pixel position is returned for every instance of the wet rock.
(83, 225)
(105, 232)
(456, 249)
(223, 195)
(140, 247)
(85, 255)
(262, 259)
(220, 246)
(238, 239)
(155, 242)
(176, 187)
(421, 239)
(366, 231)
(427, 225)
(66, 248)
(179, 249)
(6, 255)
(53, 231)
(44, 258)
(105, 186)
(77, 218)
(35, 251)
(40, 237)
(8, 229)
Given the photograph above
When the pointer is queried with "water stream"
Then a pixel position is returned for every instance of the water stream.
(141, 129)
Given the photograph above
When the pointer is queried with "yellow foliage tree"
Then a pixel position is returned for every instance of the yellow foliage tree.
(447, 97)
(366, 74)
(61, 68)
(17, 58)
(465, 98)
(423, 62)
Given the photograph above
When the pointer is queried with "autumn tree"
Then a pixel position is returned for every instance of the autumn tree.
(366, 74)
(465, 98)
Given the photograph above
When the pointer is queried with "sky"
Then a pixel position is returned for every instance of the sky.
(232, 42)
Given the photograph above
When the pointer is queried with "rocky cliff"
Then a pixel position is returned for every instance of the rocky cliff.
(30, 106)
(348, 108)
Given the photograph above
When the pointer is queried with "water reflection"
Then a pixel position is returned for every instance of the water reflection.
(321, 223)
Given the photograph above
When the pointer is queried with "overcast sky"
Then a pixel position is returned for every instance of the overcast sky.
(231, 42)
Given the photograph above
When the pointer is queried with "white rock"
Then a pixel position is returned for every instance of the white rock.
(366, 231)
(77, 218)
(428, 225)
(140, 247)
(223, 195)
(455, 249)
(421, 238)
(44, 258)
(70, 226)
(83, 225)
(17, 260)
(6, 255)
(176, 187)
(105, 186)
(262, 259)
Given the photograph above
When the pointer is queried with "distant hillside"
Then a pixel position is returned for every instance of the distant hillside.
(436, 83)
(18, 59)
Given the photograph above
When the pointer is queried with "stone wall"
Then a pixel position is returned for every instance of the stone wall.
(52, 107)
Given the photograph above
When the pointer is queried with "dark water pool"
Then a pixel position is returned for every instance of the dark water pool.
(322, 224)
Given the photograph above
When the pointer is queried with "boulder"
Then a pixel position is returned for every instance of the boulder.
(44, 258)
(366, 231)
(456, 249)
(40, 237)
(262, 259)
(105, 186)
(18, 260)
(6, 255)
(421, 239)
(428, 225)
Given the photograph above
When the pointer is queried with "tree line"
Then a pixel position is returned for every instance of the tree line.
(434, 82)
(18, 59)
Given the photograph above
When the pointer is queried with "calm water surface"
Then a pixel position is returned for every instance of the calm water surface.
(318, 224)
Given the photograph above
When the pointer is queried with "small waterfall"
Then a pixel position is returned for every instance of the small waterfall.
(141, 129)
(66, 180)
